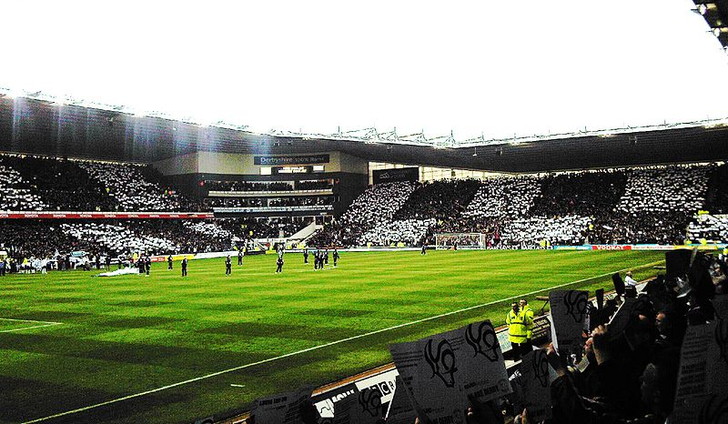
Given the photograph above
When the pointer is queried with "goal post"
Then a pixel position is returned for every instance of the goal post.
(446, 241)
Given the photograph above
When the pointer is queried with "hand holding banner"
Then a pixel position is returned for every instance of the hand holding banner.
(485, 376)
(569, 317)
(535, 379)
(442, 372)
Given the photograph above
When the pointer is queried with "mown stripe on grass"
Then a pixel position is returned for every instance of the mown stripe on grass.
(314, 348)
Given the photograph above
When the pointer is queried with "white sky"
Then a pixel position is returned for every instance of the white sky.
(524, 67)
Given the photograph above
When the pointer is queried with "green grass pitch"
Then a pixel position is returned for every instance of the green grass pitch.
(122, 336)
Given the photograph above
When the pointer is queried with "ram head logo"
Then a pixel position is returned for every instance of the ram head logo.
(541, 367)
(442, 362)
(370, 401)
(483, 340)
(576, 302)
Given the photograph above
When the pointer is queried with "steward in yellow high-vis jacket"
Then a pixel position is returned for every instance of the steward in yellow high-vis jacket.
(528, 319)
(517, 332)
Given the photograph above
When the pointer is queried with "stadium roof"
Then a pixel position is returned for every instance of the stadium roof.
(715, 13)
(76, 131)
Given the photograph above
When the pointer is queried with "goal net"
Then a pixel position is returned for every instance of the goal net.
(460, 241)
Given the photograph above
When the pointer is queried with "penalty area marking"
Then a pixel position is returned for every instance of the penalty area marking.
(311, 349)
(41, 324)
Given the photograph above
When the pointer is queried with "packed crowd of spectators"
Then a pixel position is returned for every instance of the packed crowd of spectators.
(504, 197)
(632, 369)
(585, 193)
(374, 208)
(438, 199)
(648, 228)
(60, 184)
(528, 232)
(56, 184)
(407, 231)
(25, 238)
(669, 189)
(712, 228)
(209, 229)
(49, 238)
(633, 205)
(402, 212)
(120, 237)
(716, 198)
(636, 205)
(15, 193)
(28, 238)
(132, 190)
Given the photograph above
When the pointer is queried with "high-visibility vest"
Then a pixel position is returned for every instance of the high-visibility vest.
(528, 312)
(516, 327)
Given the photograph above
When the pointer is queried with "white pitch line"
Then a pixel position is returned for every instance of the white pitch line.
(43, 324)
(29, 320)
(50, 324)
(310, 349)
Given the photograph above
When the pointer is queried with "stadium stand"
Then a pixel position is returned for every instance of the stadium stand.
(119, 238)
(568, 230)
(60, 184)
(16, 192)
(504, 197)
(444, 199)
(579, 193)
(623, 205)
(71, 185)
(632, 205)
(131, 189)
(50, 238)
(711, 228)
(716, 197)
(407, 231)
(669, 189)
(372, 209)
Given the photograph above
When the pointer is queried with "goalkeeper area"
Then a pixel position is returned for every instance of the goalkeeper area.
(163, 349)
(454, 241)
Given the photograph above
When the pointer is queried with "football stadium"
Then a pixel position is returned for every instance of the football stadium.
(383, 213)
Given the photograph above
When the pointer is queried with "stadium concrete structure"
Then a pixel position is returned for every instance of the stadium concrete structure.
(188, 154)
